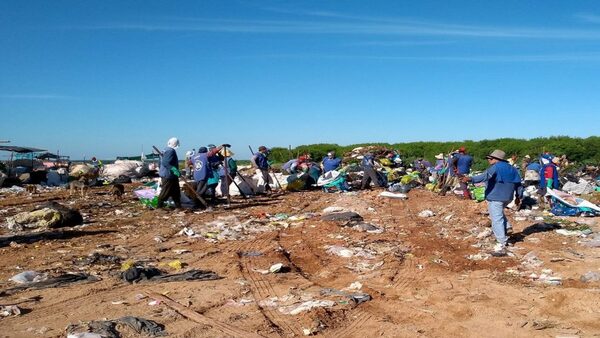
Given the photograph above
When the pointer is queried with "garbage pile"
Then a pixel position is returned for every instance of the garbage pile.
(51, 215)
(124, 168)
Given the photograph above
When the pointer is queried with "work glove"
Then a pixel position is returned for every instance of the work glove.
(175, 171)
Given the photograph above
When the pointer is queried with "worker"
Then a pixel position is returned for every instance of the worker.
(261, 163)
(169, 174)
(330, 162)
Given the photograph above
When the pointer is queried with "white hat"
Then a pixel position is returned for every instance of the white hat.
(173, 143)
(439, 156)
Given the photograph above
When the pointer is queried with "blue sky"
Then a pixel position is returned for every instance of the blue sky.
(107, 78)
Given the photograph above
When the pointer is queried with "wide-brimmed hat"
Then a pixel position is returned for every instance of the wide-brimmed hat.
(226, 153)
(439, 156)
(497, 154)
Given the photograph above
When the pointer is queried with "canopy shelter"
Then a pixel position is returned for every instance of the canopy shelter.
(47, 156)
(18, 150)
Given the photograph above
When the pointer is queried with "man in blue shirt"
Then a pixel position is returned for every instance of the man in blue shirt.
(169, 174)
(261, 163)
(330, 162)
(463, 167)
(502, 182)
(203, 170)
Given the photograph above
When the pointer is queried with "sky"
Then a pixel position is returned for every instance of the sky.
(107, 78)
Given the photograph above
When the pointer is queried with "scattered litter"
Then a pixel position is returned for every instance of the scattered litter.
(136, 274)
(590, 276)
(566, 232)
(362, 267)
(108, 328)
(330, 210)
(547, 277)
(52, 282)
(354, 286)
(275, 268)
(393, 195)
(176, 264)
(340, 251)
(97, 258)
(9, 310)
(127, 265)
(181, 251)
(366, 227)
(479, 257)
(357, 298)
(188, 232)
(484, 234)
(347, 216)
(28, 277)
(426, 213)
(531, 261)
(305, 306)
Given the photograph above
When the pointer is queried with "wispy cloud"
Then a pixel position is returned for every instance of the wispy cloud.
(36, 97)
(400, 43)
(588, 17)
(332, 23)
(582, 57)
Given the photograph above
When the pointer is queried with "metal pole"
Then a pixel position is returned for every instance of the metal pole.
(226, 170)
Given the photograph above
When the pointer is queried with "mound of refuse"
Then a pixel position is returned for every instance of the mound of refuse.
(51, 215)
(126, 168)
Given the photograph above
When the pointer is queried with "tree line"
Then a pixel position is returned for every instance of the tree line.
(579, 150)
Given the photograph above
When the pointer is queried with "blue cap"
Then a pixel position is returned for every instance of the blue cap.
(202, 150)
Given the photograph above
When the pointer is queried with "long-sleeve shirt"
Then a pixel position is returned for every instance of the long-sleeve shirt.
(259, 160)
(502, 182)
(168, 161)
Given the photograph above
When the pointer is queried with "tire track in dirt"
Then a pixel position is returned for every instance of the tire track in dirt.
(355, 317)
(356, 321)
(262, 289)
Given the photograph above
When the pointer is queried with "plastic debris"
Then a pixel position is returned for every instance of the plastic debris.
(333, 209)
(590, 276)
(305, 306)
(275, 268)
(340, 251)
(531, 261)
(566, 232)
(9, 310)
(176, 264)
(28, 277)
(393, 195)
(426, 213)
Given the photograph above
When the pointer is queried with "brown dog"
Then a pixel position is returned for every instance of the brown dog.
(117, 190)
(81, 184)
(31, 189)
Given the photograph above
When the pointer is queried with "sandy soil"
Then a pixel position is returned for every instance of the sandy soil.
(427, 276)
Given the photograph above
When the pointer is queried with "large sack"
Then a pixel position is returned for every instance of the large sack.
(247, 185)
(583, 187)
(79, 170)
(131, 169)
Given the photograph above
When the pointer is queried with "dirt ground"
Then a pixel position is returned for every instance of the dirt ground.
(426, 276)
